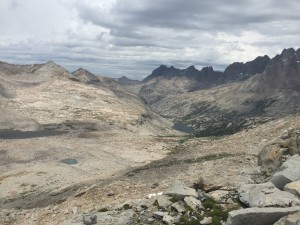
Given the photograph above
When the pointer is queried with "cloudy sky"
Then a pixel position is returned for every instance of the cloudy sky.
(133, 37)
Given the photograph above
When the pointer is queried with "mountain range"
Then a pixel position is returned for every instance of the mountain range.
(216, 102)
(212, 102)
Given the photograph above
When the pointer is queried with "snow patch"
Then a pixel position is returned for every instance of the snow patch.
(155, 194)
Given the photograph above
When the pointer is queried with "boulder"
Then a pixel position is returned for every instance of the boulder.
(206, 221)
(179, 207)
(163, 202)
(293, 187)
(169, 220)
(220, 195)
(193, 203)
(259, 216)
(180, 191)
(266, 195)
(270, 158)
(288, 172)
(292, 219)
(159, 215)
(89, 219)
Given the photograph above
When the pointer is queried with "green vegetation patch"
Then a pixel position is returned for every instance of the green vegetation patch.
(171, 162)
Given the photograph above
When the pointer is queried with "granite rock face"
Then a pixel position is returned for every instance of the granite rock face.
(288, 172)
(259, 216)
(266, 195)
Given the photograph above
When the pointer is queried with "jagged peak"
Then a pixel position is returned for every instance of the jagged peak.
(262, 57)
(162, 66)
(207, 69)
(192, 67)
(288, 53)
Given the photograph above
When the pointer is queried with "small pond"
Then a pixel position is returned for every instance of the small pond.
(69, 161)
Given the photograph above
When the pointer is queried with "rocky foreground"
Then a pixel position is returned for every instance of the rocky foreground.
(273, 202)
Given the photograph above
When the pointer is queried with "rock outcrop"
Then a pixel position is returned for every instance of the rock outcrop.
(271, 156)
(259, 216)
(288, 172)
(265, 198)
(179, 205)
(266, 195)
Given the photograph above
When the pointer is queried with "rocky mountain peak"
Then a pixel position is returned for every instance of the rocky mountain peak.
(207, 69)
(163, 71)
(85, 76)
(282, 73)
(126, 81)
(192, 67)
(242, 71)
(289, 53)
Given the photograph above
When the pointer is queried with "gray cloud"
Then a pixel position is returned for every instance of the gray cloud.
(132, 37)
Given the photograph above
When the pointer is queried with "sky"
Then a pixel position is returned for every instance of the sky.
(133, 37)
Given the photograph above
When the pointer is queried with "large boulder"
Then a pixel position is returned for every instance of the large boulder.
(266, 195)
(259, 216)
(288, 172)
(292, 219)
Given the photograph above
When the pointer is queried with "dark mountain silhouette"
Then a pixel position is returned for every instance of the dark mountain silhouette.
(241, 71)
(207, 75)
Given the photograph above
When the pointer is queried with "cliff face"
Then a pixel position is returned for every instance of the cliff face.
(283, 72)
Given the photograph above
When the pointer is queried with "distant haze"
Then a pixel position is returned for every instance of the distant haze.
(132, 37)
